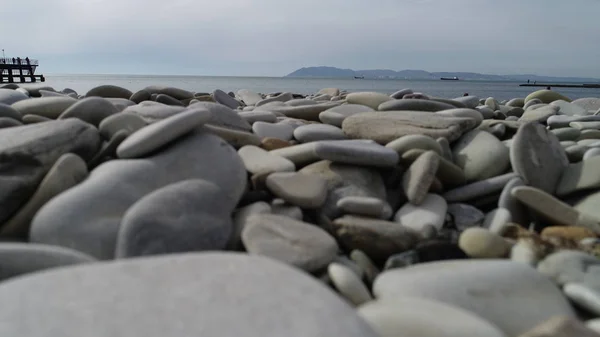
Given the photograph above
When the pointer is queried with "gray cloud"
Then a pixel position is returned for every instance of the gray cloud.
(274, 37)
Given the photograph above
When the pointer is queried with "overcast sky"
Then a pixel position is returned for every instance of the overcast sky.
(275, 37)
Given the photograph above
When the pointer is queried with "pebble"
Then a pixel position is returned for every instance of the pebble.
(249, 97)
(432, 211)
(584, 296)
(590, 104)
(521, 296)
(414, 104)
(280, 207)
(537, 157)
(335, 116)
(316, 132)
(366, 264)
(365, 206)
(567, 266)
(567, 133)
(154, 136)
(235, 138)
(401, 93)
(567, 108)
(478, 189)
(591, 153)
(291, 241)
(561, 326)
(448, 173)
(357, 153)
(283, 97)
(370, 99)
(465, 216)
(385, 126)
(424, 317)
(275, 130)
(156, 312)
(480, 155)
(258, 160)
(121, 121)
(546, 96)
(222, 116)
(469, 101)
(270, 144)
(49, 107)
(418, 178)
(410, 142)
(496, 220)
(258, 116)
(9, 96)
(222, 97)
(579, 176)
(303, 190)
(356, 232)
(348, 284)
(108, 91)
(154, 225)
(482, 243)
(6, 111)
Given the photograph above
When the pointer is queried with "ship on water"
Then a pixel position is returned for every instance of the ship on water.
(449, 78)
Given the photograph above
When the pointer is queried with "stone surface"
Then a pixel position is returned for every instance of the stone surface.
(92, 110)
(223, 116)
(6, 111)
(348, 284)
(258, 116)
(561, 326)
(249, 97)
(377, 238)
(432, 211)
(465, 216)
(480, 155)
(580, 176)
(365, 206)
(121, 183)
(478, 189)
(221, 97)
(567, 108)
(49, 107)
(108, 90)
(121, 121)
(539, 115)
(546, 96)
(335, 116)
(316, 132)
(410, 142)
(151, 111)
(190, 215)
(422, 317)
(17, 259)
(235, 138)
(162, 304)
(274, 130)
(521, 297)
(538, 158)
(357, 153)
(482, 243)
(567, 266)
(257, 160)
(370, 99)
(303, 190)
(414, 105)
(590, 104)
(294, 242)
(9, 96)
(385, 126)
(156, 135)
(418, 178)
(584, 296)
(66, 172)
(305, 112)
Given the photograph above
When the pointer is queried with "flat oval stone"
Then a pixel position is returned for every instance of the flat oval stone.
(465, 216)
(446, 150)
(400, 93)
(108, 90)
(140, 96)
(554, 210)
(590, 153)
(409, 142)
(335, 116)
(6, 111)
(358, 153)
(50, 107)
(303, 190)
(303, 101)
(418, 178)
(291, 241)
(154, 136)
(283, 97)
(6, 122)
(275, 130)
(17, 259)
(235, 138)
(316, 132)
(222, 97)
(432, 211)
(536, 155)
(348, 284)
(480, 155)
(370, 99)
(562, 121)
(448, 173)
(377, 238)
(257, 160)
(385, 126)
(516, 102)
(586, 297)
(151, 111)
(414, 105)
(258, 116)
(522, 297)
(567, 133)
(190, 215)
(482, 243)
(174, 313)
(579, 176)
(590, 104)
(570, 109)
(462, 112)
(67, 171)
(249, 97)
(567, 266)
(366, 206)
(92, 110)
(9, 96)
(305, 112)
(540, 115)
(129, 122)
(388, 317)
(496, 220)
(546, 96)
(269, 143)
(329, 91)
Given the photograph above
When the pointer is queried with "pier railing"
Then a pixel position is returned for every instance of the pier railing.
(17, 61)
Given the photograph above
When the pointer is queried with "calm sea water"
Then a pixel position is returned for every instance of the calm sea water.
(438, 88)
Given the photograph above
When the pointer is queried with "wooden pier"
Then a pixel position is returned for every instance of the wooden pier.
(583, 85)
(14, 70)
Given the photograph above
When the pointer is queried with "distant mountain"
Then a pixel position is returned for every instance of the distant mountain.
(332, 72)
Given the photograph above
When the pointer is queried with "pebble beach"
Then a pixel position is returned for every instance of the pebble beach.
(167, 212)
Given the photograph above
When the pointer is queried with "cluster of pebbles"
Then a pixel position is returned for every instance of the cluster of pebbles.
(171, 213)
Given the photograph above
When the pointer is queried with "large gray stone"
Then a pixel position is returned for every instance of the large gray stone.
(151, 111)
(127, 121)
(297, 243)
(108, 90)
(9, 96)
(480, 155)
(92, 110)
(190, 215)
(357, 153)
(414, 105)
(306, 112)
(205, 294)
(221, 96)
(49, 107)
(6, 111)
(537, 157)
(95, 207)
(28, 152)
(223, 116)
(385, 126)
(17, 259)
(335, 116)
(511, 295)
(249, 97)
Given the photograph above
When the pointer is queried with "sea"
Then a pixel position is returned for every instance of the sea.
(437, 88)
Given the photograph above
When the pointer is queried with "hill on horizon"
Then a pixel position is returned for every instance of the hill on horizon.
(333, 72)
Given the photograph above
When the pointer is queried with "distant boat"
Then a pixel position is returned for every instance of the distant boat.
(449, 78)
(359, 77)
